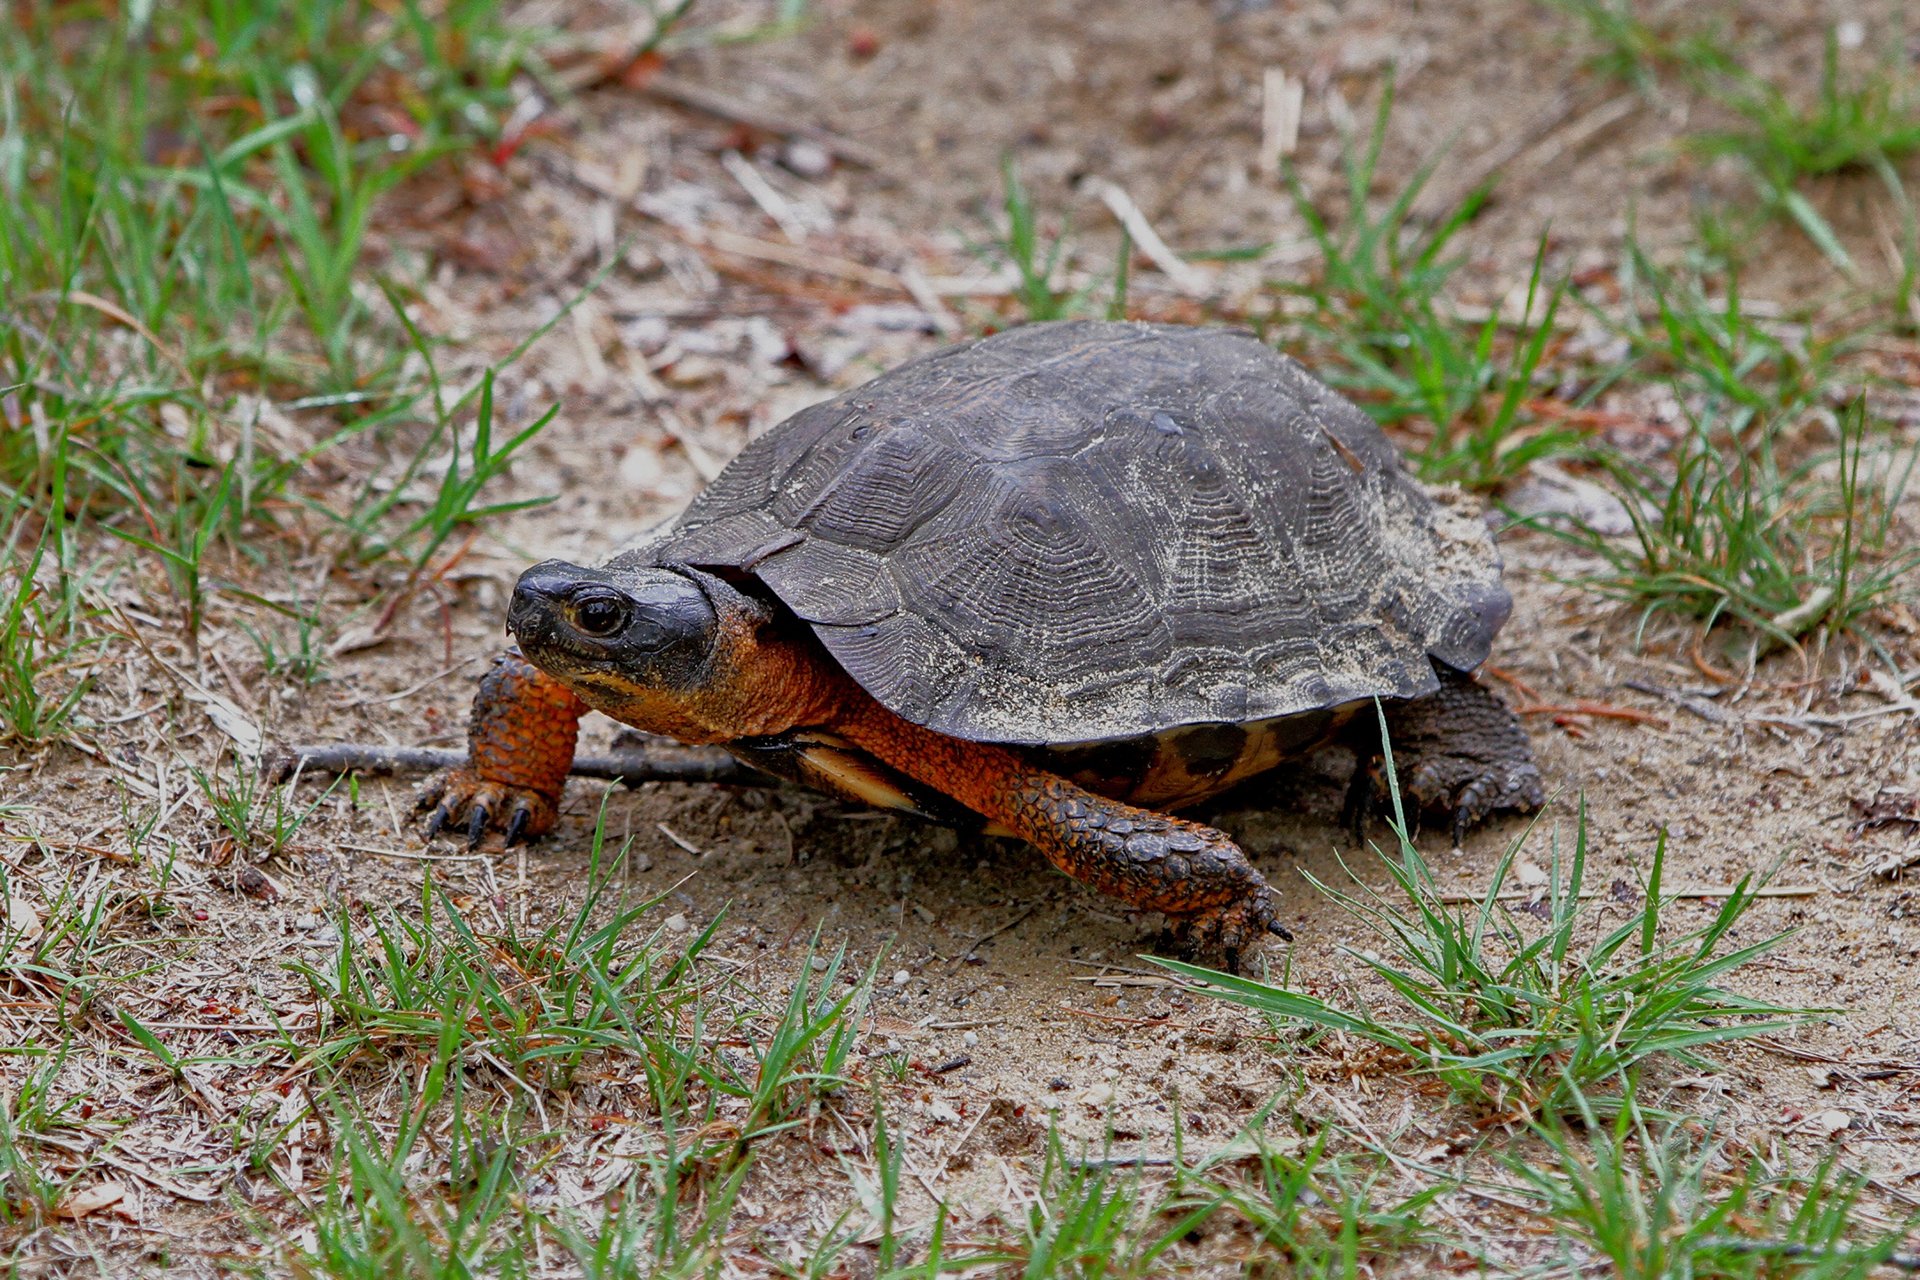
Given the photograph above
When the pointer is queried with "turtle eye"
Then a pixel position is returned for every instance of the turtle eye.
(600, 614)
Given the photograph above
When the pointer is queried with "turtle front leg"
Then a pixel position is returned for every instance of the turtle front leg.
(1459, 751)
(520, 744)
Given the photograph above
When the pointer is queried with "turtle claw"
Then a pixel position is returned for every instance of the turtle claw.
(1463, 818)
(1229, 929)
(466, 800)
(476, 825)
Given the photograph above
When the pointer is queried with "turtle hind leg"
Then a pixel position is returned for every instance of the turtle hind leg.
(1214, 899)
(1459, 751)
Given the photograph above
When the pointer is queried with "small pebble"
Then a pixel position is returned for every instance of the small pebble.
(819, 964)
(969, 1039)
(1832, 1122)
(1850, 34)
(677, 923)
(901, 977)
(806, 159)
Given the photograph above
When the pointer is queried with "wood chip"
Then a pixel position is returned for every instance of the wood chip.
(1283, 98)
(23, 920)
(681, 840)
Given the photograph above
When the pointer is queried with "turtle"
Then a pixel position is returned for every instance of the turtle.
(1056, 582)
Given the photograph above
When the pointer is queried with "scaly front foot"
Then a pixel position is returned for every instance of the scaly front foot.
(519, 747)
(463, 798)
(1215, 901)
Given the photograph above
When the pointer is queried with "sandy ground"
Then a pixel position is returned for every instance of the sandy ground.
(702, 334)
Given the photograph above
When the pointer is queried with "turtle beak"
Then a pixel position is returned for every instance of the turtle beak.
(536, 599)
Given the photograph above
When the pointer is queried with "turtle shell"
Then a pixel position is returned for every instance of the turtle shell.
(1081, 532)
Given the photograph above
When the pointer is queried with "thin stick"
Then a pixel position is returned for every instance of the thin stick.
(1587, 707)
(696, 97)
(988, 937)
(1187, 278)
(800, 259)
(631, 765)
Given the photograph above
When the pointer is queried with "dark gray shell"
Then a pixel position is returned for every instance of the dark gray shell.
(1078, 532)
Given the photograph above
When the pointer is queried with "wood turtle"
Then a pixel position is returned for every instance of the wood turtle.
(1060, 579)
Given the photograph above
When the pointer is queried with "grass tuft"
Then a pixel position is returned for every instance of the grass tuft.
(45, 632)
(187, 201)
(1733, 535)
(1741, 520)
(1674, 1201)
(1396, 341)
(1867, 124)
(1525, 1020)
(1637, 51)
(1038, 261)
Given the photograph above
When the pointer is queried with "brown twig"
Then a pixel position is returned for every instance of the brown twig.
(696, 97)
(631, 765)
(1502, 674)
(1585, 707)
(992, 934)
(1705, 667)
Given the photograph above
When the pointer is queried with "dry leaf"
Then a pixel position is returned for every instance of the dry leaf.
(354, 639)
(23, 920)
(95, 1198)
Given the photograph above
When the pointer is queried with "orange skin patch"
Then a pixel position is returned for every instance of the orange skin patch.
(767, 680)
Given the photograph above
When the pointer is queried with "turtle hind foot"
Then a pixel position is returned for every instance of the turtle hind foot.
(1227, 930)
(1460, 752)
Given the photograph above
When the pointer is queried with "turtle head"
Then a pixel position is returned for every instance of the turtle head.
(623, 637)
(672, 650)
